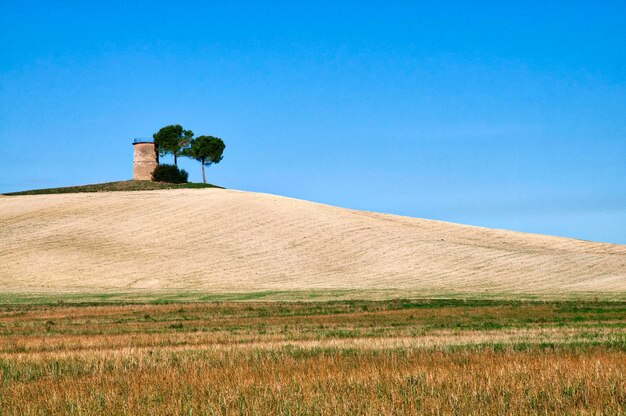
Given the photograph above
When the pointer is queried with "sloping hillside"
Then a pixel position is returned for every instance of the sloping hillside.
(224, 240)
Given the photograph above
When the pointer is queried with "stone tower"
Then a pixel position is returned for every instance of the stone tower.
(145, 159)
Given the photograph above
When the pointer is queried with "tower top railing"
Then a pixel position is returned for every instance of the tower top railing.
(143, 140)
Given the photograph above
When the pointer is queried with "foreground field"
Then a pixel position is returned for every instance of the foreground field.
(343, 357)
(216, 240)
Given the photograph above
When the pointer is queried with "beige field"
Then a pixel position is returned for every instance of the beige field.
(216, 240)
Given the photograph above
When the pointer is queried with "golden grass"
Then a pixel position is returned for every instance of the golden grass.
(322, 382)
(214, 240)
(320, 358)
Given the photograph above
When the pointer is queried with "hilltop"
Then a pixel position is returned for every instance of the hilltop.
(217, 240)
(114, 187)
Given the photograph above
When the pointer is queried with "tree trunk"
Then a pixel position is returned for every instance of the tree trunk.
(203, 177)
(175, 160)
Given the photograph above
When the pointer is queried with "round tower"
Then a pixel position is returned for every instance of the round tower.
(145, 159)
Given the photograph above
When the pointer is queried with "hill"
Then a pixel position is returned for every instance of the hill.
(218, 240)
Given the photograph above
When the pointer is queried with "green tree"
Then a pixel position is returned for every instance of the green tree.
(172, 139)
(207, 150)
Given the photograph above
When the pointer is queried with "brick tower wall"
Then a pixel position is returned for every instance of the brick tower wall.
(145, 160)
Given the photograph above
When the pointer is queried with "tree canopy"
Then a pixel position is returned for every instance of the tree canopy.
(207, 150)
(172, 139)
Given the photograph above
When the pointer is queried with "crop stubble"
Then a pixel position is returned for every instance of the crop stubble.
(393, 357)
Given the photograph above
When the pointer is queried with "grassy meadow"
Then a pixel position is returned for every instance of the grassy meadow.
(318, 358)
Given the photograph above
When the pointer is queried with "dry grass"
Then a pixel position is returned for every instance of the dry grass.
(323, 358)
(324, 382)
(215, 240)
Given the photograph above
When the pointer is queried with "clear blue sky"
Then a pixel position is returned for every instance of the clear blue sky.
(507, 115)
